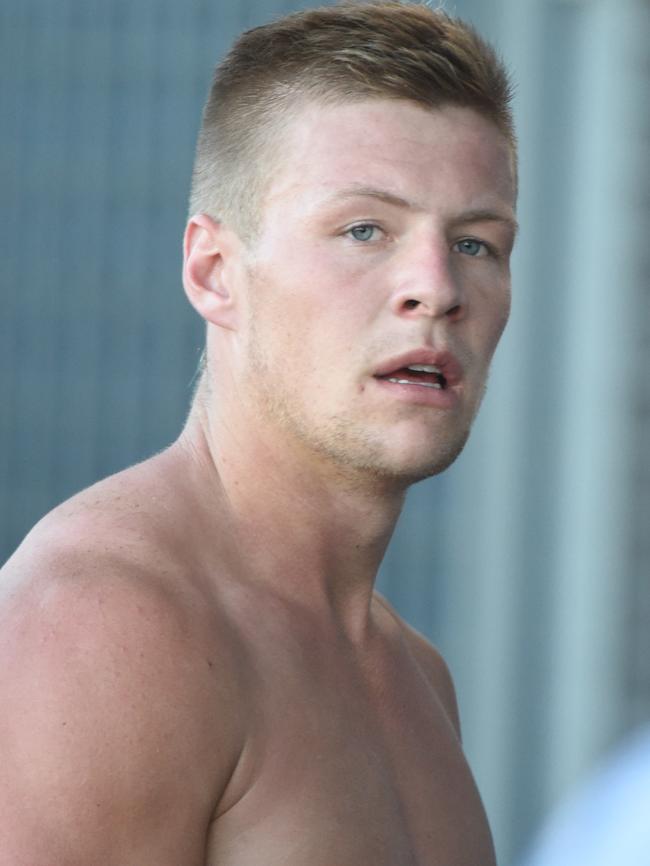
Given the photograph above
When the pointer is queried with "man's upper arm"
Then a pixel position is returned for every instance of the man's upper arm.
(109, 752)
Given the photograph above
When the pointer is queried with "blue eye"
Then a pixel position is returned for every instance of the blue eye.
(471, 247)
(363, 232)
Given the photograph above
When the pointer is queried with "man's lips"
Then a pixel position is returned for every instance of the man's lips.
(446, 365)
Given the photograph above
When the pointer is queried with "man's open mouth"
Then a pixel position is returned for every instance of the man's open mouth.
(425, 375)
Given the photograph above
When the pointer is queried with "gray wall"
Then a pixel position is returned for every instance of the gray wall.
(528, 561)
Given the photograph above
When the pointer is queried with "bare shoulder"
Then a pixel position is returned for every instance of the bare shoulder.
(119, 729)
(100, 570)
(431, 662)
(130, 531)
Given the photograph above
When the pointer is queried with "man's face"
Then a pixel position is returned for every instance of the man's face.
(384, 244)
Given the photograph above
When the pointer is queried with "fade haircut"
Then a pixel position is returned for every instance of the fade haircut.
(332, 55)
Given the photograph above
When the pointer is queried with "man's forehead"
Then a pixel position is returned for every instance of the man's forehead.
(402, 119)
(391, 150)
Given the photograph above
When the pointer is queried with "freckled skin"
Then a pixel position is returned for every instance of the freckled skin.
(194, 667)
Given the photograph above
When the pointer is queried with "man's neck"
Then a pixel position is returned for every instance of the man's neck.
(310, 531)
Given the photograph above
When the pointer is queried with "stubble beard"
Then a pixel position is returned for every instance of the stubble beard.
(354, 452)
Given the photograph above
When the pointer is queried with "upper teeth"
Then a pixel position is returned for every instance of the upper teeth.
(423, 368)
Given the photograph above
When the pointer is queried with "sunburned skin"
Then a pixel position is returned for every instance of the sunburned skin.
(195, 669)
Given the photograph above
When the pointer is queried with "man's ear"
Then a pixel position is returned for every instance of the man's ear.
(211, 254)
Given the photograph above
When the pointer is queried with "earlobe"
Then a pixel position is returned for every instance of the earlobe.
(207, 270)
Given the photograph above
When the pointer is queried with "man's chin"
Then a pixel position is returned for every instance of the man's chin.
(414, 452)
(407, 468)
(411, 473)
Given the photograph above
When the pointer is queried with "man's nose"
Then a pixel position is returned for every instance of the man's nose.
(426, 285)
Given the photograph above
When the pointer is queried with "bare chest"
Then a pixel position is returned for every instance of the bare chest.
(338, 775)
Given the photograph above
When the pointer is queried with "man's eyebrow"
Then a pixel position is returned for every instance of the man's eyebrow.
(370, 192)
(479, 215)
(470, 216)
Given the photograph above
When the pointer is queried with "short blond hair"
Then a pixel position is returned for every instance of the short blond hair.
(357, 51)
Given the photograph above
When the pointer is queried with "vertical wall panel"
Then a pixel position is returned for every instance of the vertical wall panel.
(637, 619)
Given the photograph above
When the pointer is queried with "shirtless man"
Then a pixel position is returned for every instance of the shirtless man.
(194, 668)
